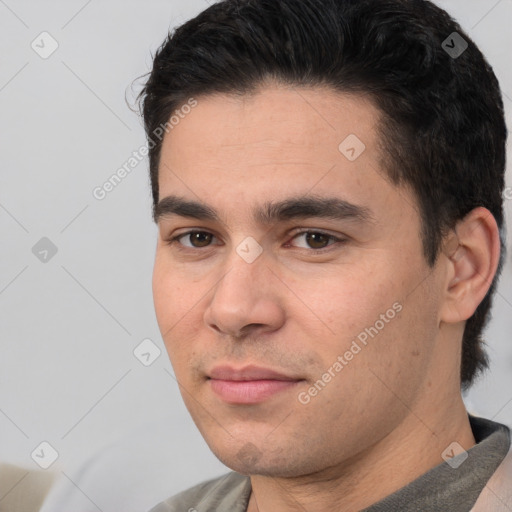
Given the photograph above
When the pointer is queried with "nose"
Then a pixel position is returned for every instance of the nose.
(246, 299)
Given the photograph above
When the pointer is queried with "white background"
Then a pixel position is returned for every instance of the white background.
(68, 327)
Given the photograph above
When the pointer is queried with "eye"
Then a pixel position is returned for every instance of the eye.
(195, 239)
(316, 239)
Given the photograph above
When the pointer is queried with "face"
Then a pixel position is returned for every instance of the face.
(290, 284)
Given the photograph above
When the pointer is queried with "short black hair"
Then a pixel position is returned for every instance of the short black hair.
(442, 131)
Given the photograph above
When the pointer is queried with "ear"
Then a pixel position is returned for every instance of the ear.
(471, 253)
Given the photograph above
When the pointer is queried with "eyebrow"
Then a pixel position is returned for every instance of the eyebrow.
(300, 207)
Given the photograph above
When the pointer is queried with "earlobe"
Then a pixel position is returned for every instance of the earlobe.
(472, 253)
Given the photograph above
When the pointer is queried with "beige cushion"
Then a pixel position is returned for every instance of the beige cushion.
(23, 490)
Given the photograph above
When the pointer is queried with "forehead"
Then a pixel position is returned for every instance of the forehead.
(280, 141)
(307, 123)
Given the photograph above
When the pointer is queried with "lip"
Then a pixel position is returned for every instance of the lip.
(246, 373)
(248, 385)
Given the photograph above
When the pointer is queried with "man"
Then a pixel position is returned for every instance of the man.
(327, 179)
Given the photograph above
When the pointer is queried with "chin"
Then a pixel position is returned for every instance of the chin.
(250, 460)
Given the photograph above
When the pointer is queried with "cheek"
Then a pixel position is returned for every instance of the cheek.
(370, 315)
(349, 299)
(174, 291)
(172, 298)
(177, 301)
(164, 295)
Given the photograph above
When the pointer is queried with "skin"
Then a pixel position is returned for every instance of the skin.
(396, 405)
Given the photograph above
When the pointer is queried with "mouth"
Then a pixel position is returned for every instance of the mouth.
(250, 384)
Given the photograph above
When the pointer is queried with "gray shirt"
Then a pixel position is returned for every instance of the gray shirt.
(442, 488)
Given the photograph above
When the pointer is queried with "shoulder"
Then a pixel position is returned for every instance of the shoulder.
(497, 494)
(229, 492)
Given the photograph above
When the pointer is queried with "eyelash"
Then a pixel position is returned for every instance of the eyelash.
(175, 240)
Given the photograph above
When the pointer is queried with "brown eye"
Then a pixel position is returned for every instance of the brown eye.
(317, 240)
(314, 240)
(199, 238)
(192, 239)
